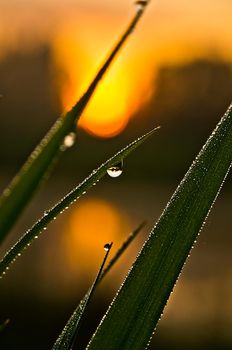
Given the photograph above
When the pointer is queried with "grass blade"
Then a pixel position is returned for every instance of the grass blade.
(87, 300)
(134, 313)
(122, 249)
(64, 339)
(71, 197)
(37, 167)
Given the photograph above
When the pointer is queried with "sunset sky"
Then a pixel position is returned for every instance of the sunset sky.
(80, 33)
(179, 59)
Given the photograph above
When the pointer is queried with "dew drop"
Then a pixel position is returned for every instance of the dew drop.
(107, 247)
(69, 141)
(115, 170)
(6, 192)
(140, 5)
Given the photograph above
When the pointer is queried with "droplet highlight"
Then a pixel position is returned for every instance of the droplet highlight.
(140, 5)
(107, 247)
(115, 170)
(69, 141)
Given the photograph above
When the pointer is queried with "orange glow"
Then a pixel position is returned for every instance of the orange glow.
(116, 98)
(80, 36)
(81, 44)
(109, 113)
(91, 225)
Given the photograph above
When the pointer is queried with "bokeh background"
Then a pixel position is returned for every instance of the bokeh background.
(175, 71)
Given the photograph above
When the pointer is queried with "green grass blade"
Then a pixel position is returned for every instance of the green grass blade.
(71, 197)
(122, 249)
(130, 321)
(87, 300)
(64, 339)
(37, 167)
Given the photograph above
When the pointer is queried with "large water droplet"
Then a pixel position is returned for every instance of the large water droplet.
(115, 170)
(69, 141)
(140, 4)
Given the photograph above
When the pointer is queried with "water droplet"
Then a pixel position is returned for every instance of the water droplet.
(140, 5)
(107, 246)
(36, 237)
(46, 212)
(115, 170)
(6, 192)
(69, 141)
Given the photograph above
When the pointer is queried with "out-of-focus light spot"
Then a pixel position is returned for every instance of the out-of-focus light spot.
(124, 88)
(92, 224)
(69, 141)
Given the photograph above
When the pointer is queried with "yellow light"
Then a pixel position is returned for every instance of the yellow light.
(119, 94)
(108, 114)
(92, 224)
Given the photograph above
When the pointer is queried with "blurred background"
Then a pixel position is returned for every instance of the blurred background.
(175, 71)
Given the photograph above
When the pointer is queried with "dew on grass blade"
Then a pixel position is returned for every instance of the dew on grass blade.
(115, 170)
(140, 4)
(6, 192)
(86, 301)
(69, 141)
(107, 246)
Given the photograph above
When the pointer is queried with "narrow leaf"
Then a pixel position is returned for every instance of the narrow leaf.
(135, 311)
(87, 300)
(41, 161)
(122, 249)
(71, 197)
(64, 339)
